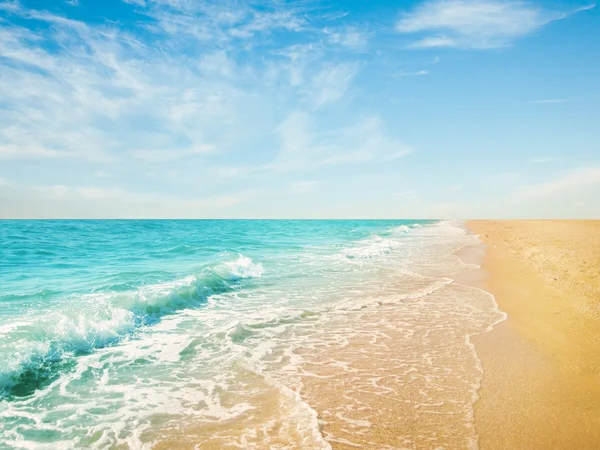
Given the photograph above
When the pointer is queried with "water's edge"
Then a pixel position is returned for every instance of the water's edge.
(349, 334)
(475, 254)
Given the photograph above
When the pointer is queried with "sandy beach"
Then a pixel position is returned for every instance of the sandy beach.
(541, 386)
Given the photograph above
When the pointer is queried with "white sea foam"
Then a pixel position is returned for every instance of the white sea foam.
(103, 319)
(401, 229)
(244, 267)
(375, 300)
(372, 247)
(237, 367)
(301, 417)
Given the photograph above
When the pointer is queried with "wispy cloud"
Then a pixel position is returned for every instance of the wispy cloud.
(221, 22)
(97, 92)
(350, 37)
(331, 83)
(475, 23)
(198, 105)
(302, 146)
(93, 97)
(434, 42)
(551, 101)
(419, 73)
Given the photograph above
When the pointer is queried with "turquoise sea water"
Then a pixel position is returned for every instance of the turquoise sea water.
(120, 334)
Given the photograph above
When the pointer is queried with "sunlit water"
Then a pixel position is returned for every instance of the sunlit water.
(237, 334)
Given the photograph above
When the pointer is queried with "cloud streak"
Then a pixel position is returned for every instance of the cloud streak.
(478, 24)
(364, 142)
(100, 93)
(190, 98)
(551, 101)
(418, 73)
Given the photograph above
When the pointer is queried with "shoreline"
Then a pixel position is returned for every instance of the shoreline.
(476, 278)
(541, 383)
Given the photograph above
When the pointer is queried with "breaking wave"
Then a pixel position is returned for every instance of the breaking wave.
(36, 348)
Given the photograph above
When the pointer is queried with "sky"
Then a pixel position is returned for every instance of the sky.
(299, 109)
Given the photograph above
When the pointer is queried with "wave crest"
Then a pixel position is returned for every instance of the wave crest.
(35, 349)
(244, 267)
(372, 247)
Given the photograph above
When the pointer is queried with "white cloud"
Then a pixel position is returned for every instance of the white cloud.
(302, 147)
(435, 41)
(350, 38)
(475, 23)
(98, 93)
(551, 101)
(221, 22)
(296, 139)
(364, 142)
(419, 73)
(217, 63)
(332, 82)
(196, 102)
(90, 99)
(310, 71)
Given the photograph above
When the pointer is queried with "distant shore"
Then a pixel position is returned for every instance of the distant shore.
(541, 385)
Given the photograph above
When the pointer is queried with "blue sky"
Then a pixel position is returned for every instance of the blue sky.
(183, 108)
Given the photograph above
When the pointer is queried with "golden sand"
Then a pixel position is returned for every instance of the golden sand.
(541, 387)
(377, 382)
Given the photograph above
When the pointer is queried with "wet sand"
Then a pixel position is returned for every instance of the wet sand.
(541, 386)
(401, 375)
(391, 368)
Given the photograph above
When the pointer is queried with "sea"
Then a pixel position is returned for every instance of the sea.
(238, 334)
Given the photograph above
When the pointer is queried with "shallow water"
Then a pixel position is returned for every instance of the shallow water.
(237, 334)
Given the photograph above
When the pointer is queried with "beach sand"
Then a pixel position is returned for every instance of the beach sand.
(390, 378)
(541, 386)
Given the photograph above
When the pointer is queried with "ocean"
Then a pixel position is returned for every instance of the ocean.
(230, 334)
